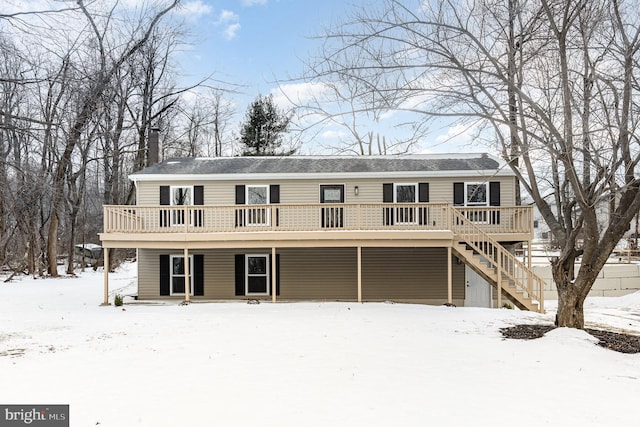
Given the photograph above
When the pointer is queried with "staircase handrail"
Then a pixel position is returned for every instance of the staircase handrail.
(520, 274)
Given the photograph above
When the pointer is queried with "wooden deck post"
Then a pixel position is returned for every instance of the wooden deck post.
(449, 277)
(274, 275)
(499, 275)
(359, 263)
(187, 277)
(105, 252)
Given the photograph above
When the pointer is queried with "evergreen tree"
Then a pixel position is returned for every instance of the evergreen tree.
(263, 130)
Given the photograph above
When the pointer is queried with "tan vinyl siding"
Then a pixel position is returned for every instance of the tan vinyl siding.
(308, 190)
(305, 273)
(441, 189)
(409, 274)
(219, 271)
(149, 273)
(318, 273)
(322, 273)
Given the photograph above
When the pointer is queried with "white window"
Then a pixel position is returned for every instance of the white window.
(257, 275)
(257, 195)
(178, 275)
(405, 193)
(476, 194)
(180, 196)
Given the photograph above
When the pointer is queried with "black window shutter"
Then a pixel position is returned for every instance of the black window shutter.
(240, 195)
(198, 195)
(494, 200)
(274, 193)
(165, 197)
(494, 194)
(165, 269)
(239, 274)
(198, 275)
(423, 192)
(198, 200)
(387, 193)
(277, 275)
(165, 200)
(458, 193)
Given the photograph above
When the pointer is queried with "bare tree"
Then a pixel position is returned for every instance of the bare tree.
(339, 106)
(202, 125)
(75, 115)
(222, 111)
(108, 62)
(554, 85)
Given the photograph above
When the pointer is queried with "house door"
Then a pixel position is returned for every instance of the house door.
(332, 216)
(478, 292)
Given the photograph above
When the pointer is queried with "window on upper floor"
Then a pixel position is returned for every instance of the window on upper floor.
(405, 193)
(476, 194)
(254, 197)
(257, 194)
(181, 196)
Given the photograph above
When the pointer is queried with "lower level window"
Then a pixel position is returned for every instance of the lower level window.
(257, 274)
(178, 275)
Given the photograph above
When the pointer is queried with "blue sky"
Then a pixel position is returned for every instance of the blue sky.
(255, 42)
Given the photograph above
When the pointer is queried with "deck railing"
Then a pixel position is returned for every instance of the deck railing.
(497, 257)
(312, 217)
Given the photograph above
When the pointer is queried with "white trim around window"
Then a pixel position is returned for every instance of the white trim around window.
(249, 195)
(468, 193)
(396, 186)
(174, 198)
(402, 194)
(180, 195)
(255, 196)
(257, 274)
(176, 279)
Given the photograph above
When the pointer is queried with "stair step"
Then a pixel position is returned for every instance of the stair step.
(477, 260)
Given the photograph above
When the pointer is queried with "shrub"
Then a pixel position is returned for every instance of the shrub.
(118, 300)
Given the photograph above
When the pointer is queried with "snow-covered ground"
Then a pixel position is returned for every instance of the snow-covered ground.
(305, 364)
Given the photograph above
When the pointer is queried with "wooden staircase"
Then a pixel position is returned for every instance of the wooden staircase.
(487, 257)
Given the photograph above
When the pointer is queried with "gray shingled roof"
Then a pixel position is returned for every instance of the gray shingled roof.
(322, 164)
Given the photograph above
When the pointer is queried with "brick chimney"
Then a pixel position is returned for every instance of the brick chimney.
(153, 149)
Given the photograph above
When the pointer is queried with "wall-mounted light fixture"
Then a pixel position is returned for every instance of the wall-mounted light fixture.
(356, 190)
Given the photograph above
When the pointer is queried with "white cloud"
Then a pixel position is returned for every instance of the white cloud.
(288, 95)
(231, 23)
(194, 9)
(231, 30)
(458, 135)
(227, 16)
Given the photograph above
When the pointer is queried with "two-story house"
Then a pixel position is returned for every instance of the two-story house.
(402, 228)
